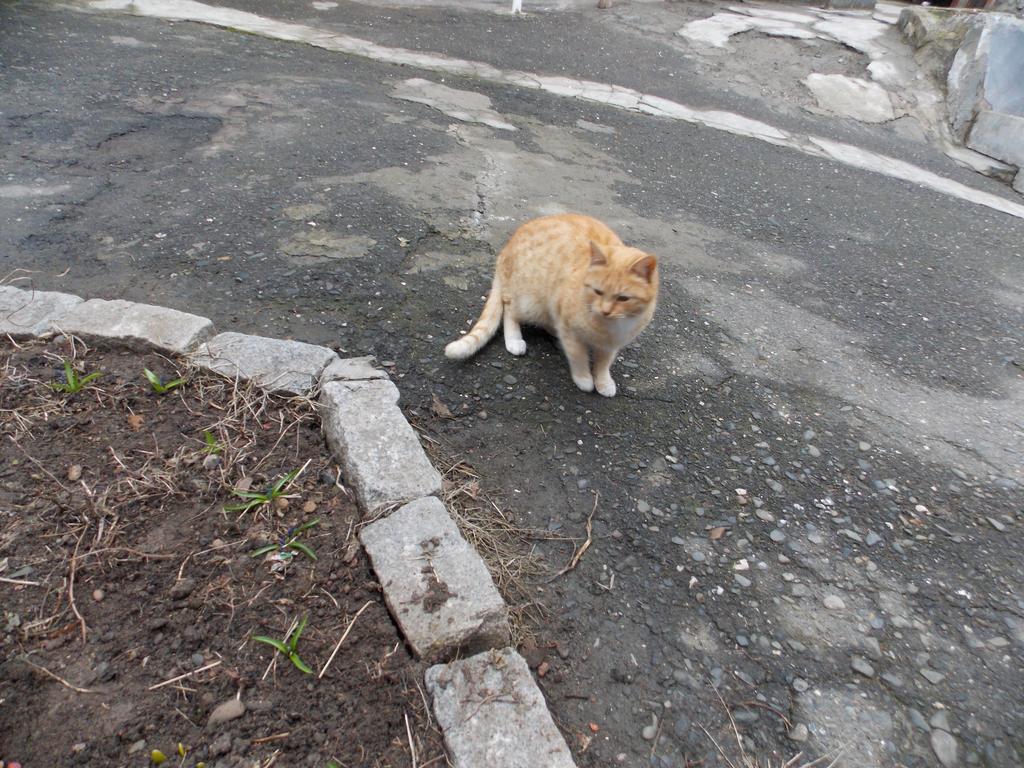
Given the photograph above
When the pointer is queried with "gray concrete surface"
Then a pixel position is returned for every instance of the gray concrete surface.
(844, 345)
(26, 313)
(493, 714)
(381, 454)
(435, 584)
(130, 322)
(279, 365)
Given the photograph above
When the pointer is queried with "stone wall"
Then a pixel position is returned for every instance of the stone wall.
(1009, 6)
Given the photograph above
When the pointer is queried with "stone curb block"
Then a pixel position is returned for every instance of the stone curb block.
(435, 584)
(381, 455)
(125, 321)
(26, 313)
(998, 135)
(493, 715)
(274, 364)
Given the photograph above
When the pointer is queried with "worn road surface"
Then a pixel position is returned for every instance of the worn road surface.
(810, 490)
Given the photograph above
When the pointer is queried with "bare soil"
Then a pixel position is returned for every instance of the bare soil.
(131, 596)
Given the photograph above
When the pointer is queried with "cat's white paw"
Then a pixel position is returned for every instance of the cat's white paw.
(586, 383)
(606, 387)
(516, 346)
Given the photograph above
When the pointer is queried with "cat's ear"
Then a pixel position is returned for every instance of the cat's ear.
(645, 267)
(597, 257)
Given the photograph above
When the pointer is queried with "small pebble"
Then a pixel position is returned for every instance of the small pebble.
(98, 595)
(862, 667)
(309, 506)
(74, 472)
(225, 711)
(651, 730)
(834, 603)
(799, 732)
(945, 747)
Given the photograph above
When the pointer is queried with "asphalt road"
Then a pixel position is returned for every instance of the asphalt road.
(810, 485)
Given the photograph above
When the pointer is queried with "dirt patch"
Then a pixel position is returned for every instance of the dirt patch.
(131, 596)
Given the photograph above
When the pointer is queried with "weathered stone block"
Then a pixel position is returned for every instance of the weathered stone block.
(275, 364)
(435, 584)
(986, 74)
(493, 715)
(132, 323)
(998, 135)
(382, 457)
(919, 25)
(352, 369)
(27, 313)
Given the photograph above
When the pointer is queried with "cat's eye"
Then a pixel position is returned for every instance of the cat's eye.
(599, 292)
(622, 298)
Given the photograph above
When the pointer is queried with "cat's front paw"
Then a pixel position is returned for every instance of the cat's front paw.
(516, 346)
(606, 387)
(586, 383)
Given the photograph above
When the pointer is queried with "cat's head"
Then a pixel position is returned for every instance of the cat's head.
(621, 282)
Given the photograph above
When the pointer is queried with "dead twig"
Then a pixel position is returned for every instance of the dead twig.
(58, 678)
(342, 640)
(21, 582)
(657, 735)
(769, 707)
(578, 554)
(182, 677)
(71, 586)
(408, 732)
(274, 737)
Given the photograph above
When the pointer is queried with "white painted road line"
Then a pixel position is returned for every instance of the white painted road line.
(585, 90)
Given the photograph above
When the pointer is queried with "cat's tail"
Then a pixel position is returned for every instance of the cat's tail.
(484, 329)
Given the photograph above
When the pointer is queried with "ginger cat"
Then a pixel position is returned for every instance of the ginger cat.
(571, 275)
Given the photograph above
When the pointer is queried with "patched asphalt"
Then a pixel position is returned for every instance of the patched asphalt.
(281, 189)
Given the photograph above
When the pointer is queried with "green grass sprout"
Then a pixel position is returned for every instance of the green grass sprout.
(290, 543)
(159, 386)
(253, 499)
(289, 646)
(73, 383)
(211, 446)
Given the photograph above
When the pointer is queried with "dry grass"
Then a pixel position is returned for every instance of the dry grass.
(745, 760)
(100, 508)
(507, 549)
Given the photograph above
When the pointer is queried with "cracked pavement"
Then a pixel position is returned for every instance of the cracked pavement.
(809, 486)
